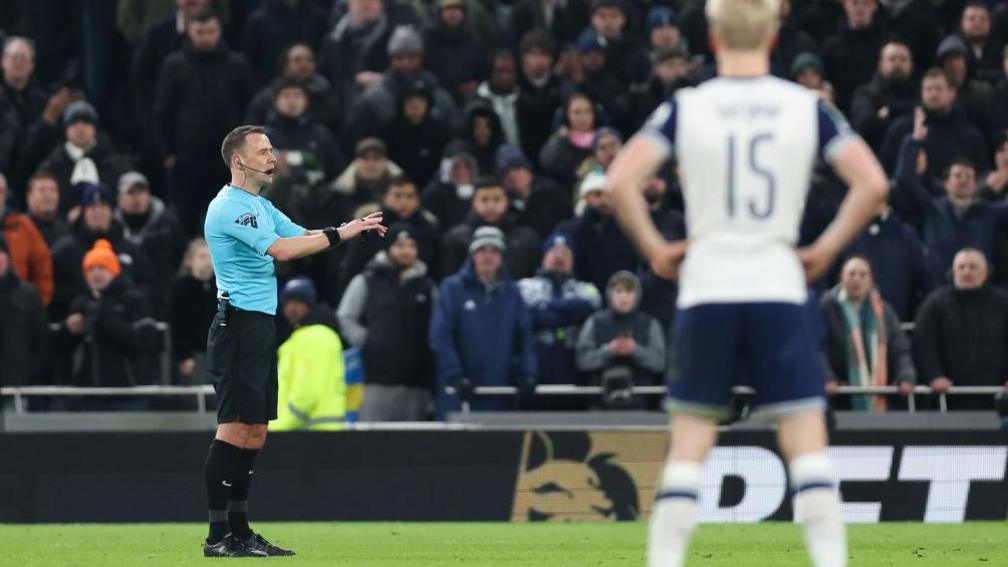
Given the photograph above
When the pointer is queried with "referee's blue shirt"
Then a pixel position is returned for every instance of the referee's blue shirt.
(239, 228)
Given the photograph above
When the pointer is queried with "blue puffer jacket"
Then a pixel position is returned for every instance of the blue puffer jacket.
(483, 333)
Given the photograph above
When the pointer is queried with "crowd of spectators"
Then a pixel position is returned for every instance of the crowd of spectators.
(482, 129)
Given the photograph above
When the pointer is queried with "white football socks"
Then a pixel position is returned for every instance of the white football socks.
(674, 515)
(817, 508)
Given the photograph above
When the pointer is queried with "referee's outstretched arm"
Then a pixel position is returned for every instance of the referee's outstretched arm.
(313, 241)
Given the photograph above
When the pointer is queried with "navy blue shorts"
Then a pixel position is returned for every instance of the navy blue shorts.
(772, 347)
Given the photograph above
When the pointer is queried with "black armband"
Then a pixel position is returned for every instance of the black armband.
(333, 235)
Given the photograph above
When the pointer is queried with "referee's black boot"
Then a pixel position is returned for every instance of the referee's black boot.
(231, 547)
(259, 543)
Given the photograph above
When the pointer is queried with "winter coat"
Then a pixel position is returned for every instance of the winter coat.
(321, 159)
(505, 107)
(521, 256)
(378, 105)
(949, 137)
(347, 51)
(559, 304)
(360, 251)
(358, 191)
(273, 26)
(446, 201)
(899, 97)
(29, 253)
(160, 237)
(323, 104)
(569, 19)
(110, 166)
(600, 248)
(453, 55)
(311, 381)
(120, 339)
(482, 333)
(535, 109)
(559, 159)
(850, 58)
(24, 333)
(193, 305)
(963, 335)
(546, 207)
(416, 148)
(791, 42)
(486, 155)
(159, 41)
(627, 58)
(387, 313)
(51, 229)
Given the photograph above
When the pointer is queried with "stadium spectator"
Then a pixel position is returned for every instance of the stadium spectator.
(192, 118)
(668, 220)
(378, 104)
(791, 42)
(559, 304)
(587, 72)
(605, 145)
(890, 94)
(9, 133)
(451, 52)
(600, 246)
(399, 204)
(481, 331)
(807, 70)
(297, 62)
(898, 259)
(490, 208)
(20, 93)
(501, 91)
(621, 346)
(45, 134)
(368, 175)
(959, 219)
(850, 54)
(984, 51)
(85, 156)
(276, 24)
(415, 137)
(27, 251)
(134, 17)
(917, 23)
(626, 53)
(663, 30)
(669, 73)
(865, 345)
(24, 329)
(448, 195)
(193, 305)
(999, 112)
(562, 21)
(112, 330)
(540, 92)
(43, 207)
(308, 154)
(997, 178)
(95, 223)
(386, 311)
(973, 96)
(572, 142)
(948, 134)
(310, 373)
(961, 333)
(481, 134)
(538, 202)
(149, 225)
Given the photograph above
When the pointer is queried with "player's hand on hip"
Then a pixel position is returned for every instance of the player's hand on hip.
(665, 260)
(816, 262)
(371, 223)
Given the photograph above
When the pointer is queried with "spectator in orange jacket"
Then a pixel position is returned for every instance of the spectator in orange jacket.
(29, 252)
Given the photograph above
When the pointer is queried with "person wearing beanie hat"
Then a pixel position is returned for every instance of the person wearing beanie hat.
(487, 236)
(386, 312)
(807, 70)
(301, 289)
(405, 39)
(80, 111)
(103, 256)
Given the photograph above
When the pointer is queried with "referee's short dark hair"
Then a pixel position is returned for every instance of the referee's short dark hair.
(235, 141)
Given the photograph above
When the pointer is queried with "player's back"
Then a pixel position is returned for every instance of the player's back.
(745, 148)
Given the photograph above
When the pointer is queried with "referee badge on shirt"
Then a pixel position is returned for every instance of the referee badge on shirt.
(247, 219)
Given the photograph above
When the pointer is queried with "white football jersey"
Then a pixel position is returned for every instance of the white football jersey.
(745, 149)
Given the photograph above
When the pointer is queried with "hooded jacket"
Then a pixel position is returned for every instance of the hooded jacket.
(446, 200)
(160, 237)
(485, 155)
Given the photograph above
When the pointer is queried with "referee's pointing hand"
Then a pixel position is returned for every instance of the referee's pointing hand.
(372, 222)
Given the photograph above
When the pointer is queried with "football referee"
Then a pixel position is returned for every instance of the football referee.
(246, 234)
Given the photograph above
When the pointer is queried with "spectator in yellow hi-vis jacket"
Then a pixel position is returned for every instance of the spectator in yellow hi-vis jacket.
(312, 388)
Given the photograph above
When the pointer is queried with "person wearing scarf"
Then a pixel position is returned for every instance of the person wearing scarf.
(865, 345)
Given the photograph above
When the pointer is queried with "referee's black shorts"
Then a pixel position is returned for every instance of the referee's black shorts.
(242, 360)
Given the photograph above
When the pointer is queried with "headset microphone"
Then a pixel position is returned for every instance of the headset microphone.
(266, 172)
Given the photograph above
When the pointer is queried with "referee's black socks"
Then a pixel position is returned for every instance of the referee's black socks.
(238, 498)
(220, 468)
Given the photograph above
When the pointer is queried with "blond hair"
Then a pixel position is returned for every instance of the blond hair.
(743, 24)
(187, 259)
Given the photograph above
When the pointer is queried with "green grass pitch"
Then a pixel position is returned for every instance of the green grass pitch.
(976, 544)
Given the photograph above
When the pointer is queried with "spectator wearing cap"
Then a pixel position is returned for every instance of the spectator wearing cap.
(601, 247)
(27, 251)
(95, 222)
(663, 30)
(500, 91)
(851, 53)
(947, 133)
(591, 75)
(416, 138)
(192, 307)
(367, 176)
(24, 329)
(42, 200)
(560, 20)
(20, 94)
(481, 134)
(481, 331)
(540, 92)
(490, 208)
(538, 202)
(627, 55)
(308, 152)
(973, 96)
(192, 119)
(559, 304)
(572, 141)
(451, 51)
(297, 63)
(112, 331)
(380, 102)
(790, 42)
(311, 378)
(447, 196)
(150, 226)
(984, 50)
(83, 157)
(276, 24)
(889, 95)
(386, 311)
(605, 145)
